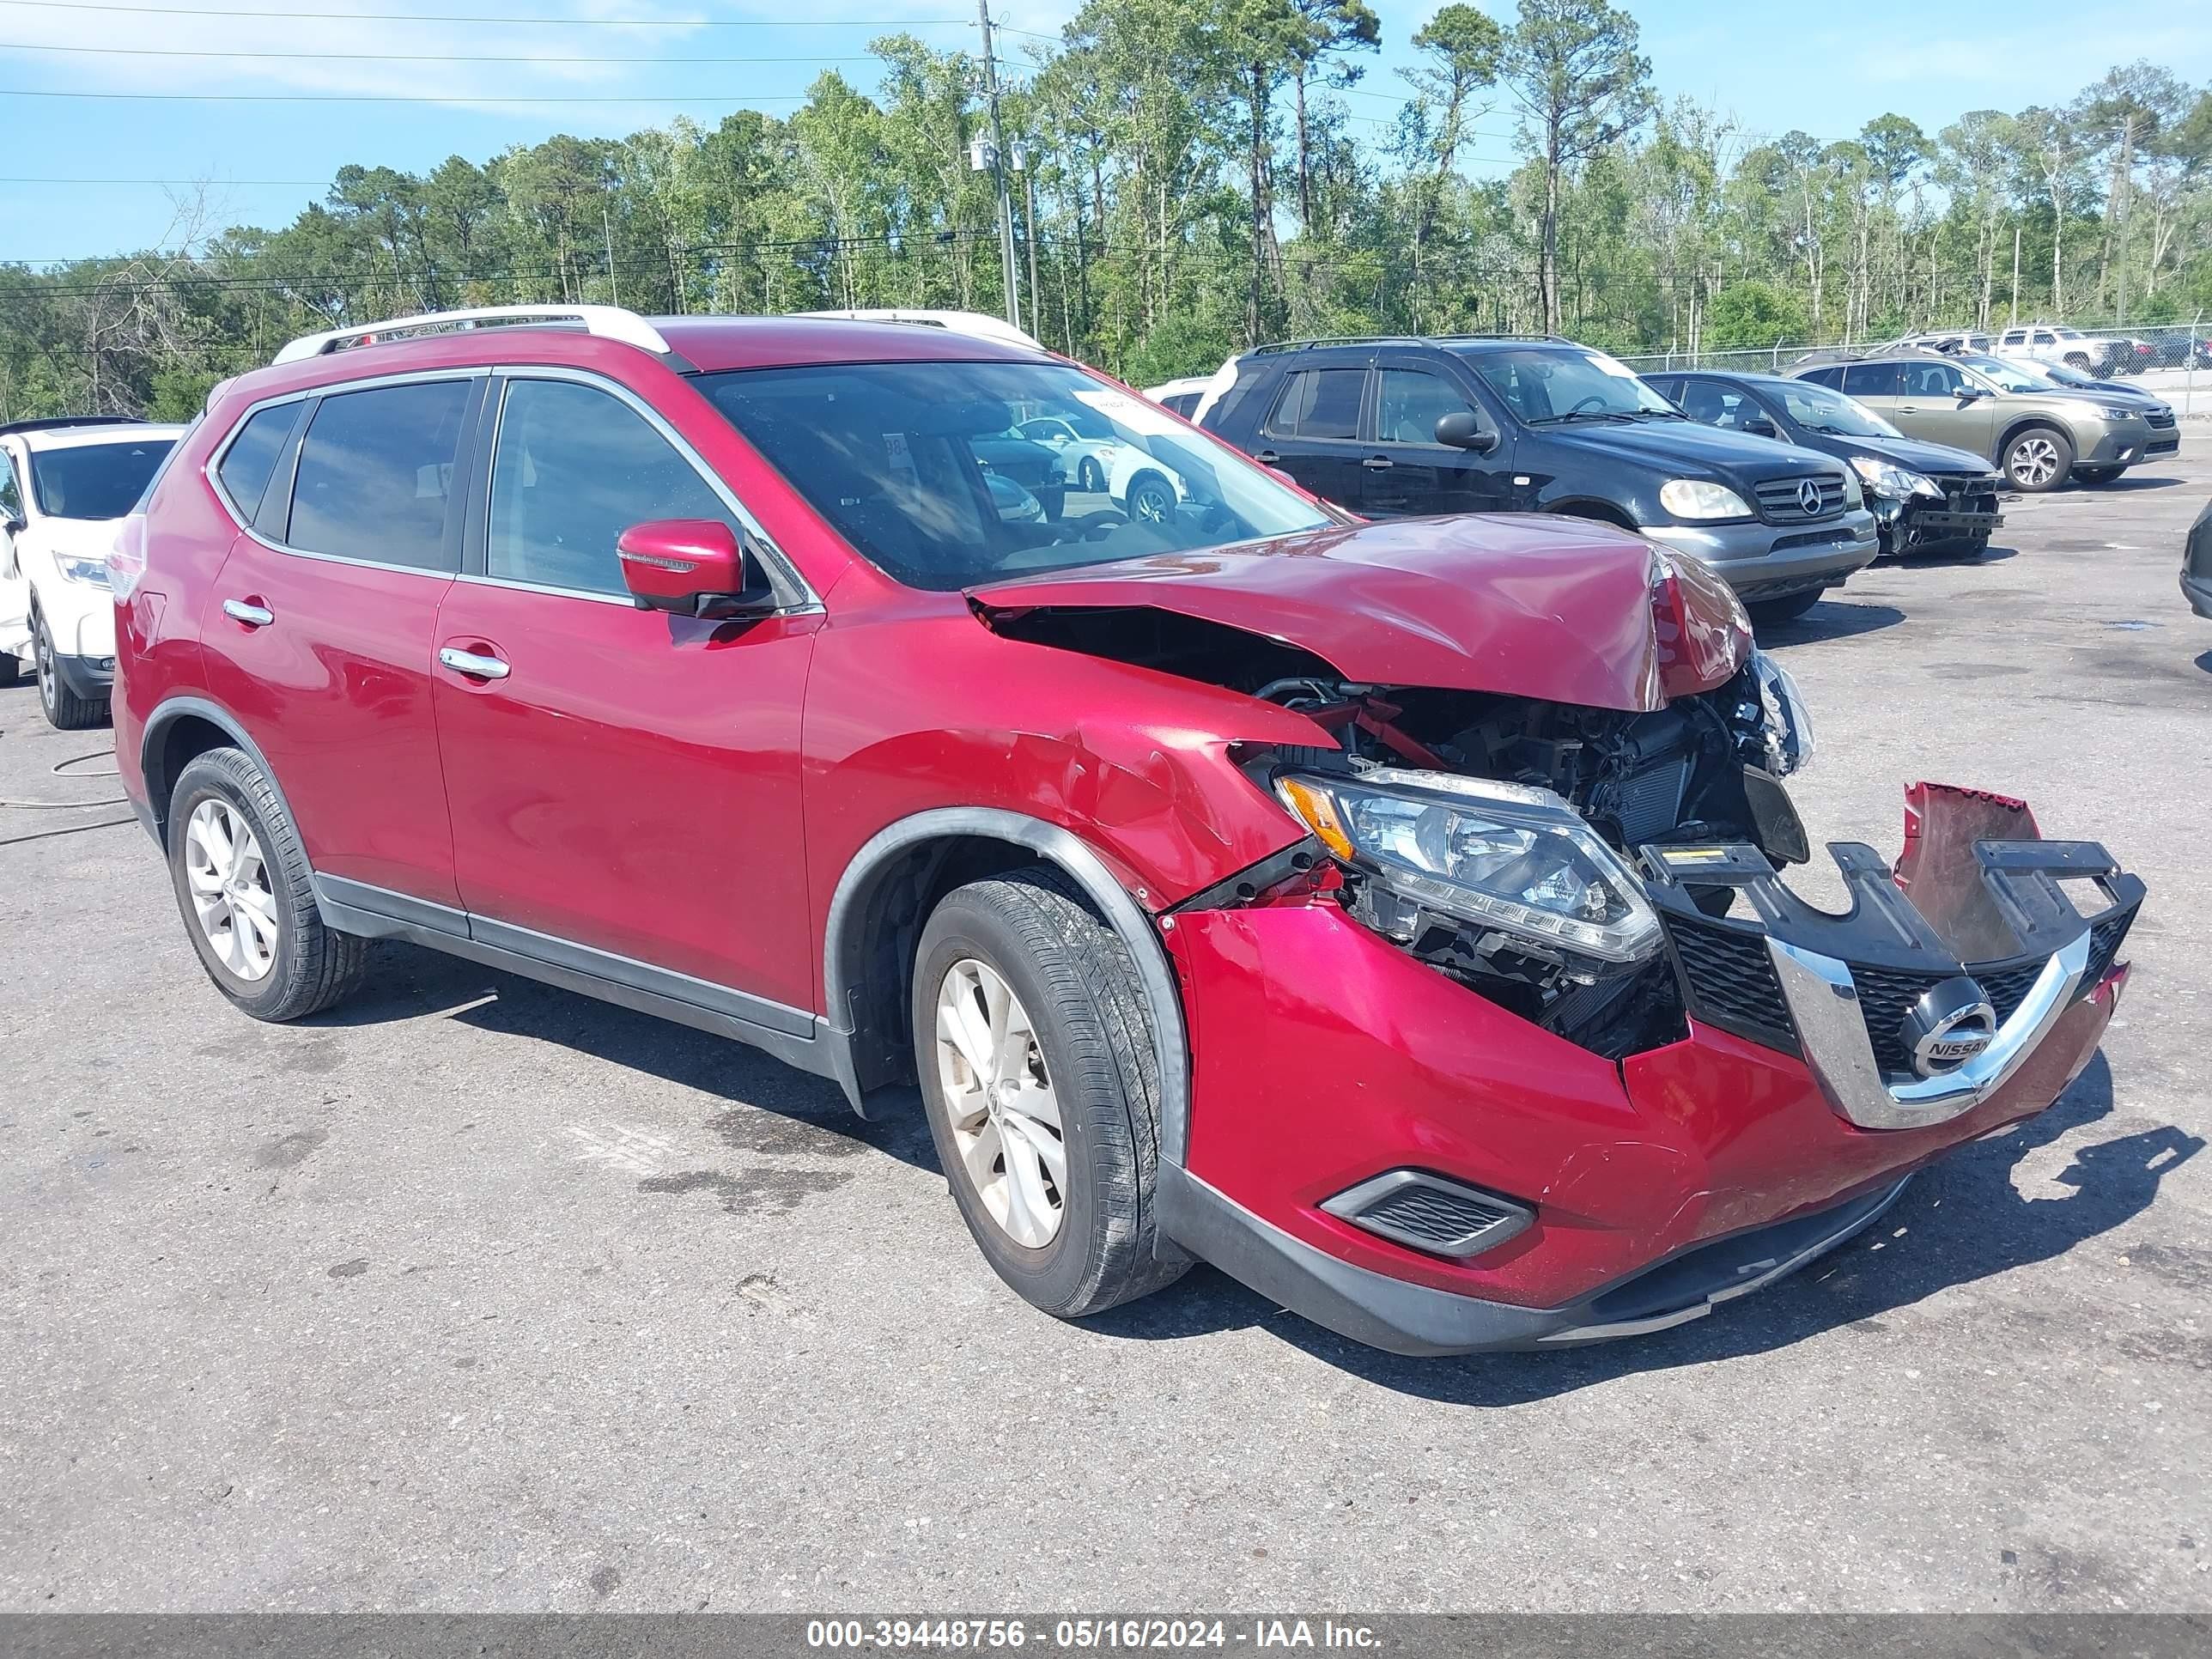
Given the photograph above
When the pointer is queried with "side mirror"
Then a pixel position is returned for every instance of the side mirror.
(1759, 427)
(1460, 430)
(1968, 394)
(693, 568)
(16, 525)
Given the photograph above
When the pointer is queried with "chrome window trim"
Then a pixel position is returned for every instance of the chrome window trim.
(798, 595)
(209, 469)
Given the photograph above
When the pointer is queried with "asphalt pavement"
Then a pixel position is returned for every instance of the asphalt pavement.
(474, 1294)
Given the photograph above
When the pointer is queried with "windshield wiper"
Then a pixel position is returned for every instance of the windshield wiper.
(1582, 415)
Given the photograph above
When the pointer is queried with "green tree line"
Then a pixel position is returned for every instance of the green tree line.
(1196, 175)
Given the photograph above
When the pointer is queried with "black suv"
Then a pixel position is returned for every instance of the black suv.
(1391, 428)
(1923, 496)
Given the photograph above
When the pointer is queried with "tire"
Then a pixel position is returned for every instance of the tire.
(2097, 475)
(2037, 458)
(1088, 478)
(1151, 499)
(1775, 613)
(2078, 360)
(310, 966)
(64, 710)
(1089, 1244)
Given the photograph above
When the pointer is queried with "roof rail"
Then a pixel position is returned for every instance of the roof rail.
(56, 422)
(974, 324)
(607, 322)
(1403, 339)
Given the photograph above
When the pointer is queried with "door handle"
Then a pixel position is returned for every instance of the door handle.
(476, 666)
(1267, 457)
(244, 611)
(1378, 462)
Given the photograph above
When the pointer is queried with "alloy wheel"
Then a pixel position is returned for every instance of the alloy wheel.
(42, 651)
(999, 1099)
(2034, 462)
(232, 897)
(1149, 504)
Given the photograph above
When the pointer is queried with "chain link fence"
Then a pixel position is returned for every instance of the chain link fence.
(2171, 361)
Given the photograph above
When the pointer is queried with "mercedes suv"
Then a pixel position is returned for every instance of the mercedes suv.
(1387, 912)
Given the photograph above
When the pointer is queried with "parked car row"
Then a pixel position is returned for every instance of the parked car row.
(724, 669)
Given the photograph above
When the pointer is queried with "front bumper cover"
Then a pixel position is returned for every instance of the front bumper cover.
(1681, 1177)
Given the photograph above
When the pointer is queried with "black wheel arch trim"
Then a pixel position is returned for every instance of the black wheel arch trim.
(165, 714)
(1056, 845)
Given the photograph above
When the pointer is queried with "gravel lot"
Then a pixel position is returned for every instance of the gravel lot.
(478, 1295)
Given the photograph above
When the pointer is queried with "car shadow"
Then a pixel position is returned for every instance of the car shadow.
(1831, 619)
(2204, 661)
(2126, 482)
(1922, 558)
(1963, 1220)
(797, 1112)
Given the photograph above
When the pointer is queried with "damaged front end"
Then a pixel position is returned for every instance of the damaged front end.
(1491, 838)
(1615, 879)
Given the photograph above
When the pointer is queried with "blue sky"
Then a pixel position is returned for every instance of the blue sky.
(1825, 69)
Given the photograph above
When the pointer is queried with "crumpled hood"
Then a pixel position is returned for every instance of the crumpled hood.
(1557, 609)
(1922, 457)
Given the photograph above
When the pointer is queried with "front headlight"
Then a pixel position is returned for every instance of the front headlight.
(1495, 855)
(1789, 723)
(1890, 479)
(93, 573)
(1694, 498)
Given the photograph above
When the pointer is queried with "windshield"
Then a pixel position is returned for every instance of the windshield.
(896, 455)
(2010, 376)
(95, 481)
(1817, 409)
(1547, 383)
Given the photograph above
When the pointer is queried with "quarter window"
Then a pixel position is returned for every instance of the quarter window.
(11, 499)
(251, 457)
(375, 470)
(1319, 403)
(575, 467)
(1411, 403)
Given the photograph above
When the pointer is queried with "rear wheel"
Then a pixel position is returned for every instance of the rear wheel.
(1088, 478)
(1040, 1085)
(243, 884)
(1773, 613)
(64, 710)
(2038, 459)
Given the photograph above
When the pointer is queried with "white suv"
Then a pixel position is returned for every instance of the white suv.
(64, 483)
(2054, 343)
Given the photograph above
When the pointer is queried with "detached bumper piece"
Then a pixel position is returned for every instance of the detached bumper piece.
(1897, 1027)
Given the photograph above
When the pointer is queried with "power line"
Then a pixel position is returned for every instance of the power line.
(304, 184)
(564, 22)
(417, 57)
(738, 99)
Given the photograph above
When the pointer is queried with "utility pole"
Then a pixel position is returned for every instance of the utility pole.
(1023, 158)
(607, 229)
(999, 171)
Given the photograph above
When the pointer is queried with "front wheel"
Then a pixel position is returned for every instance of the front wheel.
(1774, 613)
(1089, 478)
(243, 884)
(64, 710)
(1038, 1076)
(2039, 459)
(1151, 500)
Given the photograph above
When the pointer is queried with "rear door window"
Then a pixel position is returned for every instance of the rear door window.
(252, 458)
(1870, 380)
(1319, 403)
(575, 467)
(375, 472)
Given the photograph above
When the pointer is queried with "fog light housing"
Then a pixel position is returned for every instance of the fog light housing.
(1430, 1213)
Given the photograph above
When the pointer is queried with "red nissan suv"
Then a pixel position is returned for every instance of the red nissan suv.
(1387, 913)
